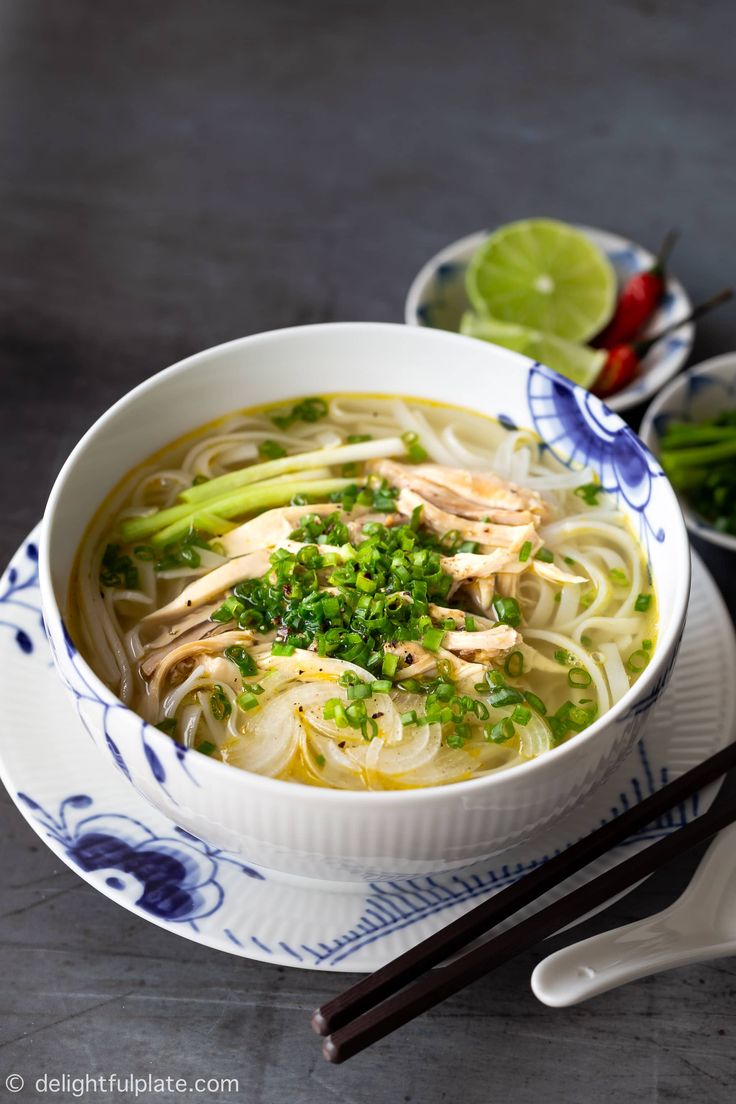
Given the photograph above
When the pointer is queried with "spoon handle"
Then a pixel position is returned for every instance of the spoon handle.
(603, 962)
(686, 932)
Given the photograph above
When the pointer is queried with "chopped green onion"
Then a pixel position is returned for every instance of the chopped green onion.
(247, 700)
(470, 625)
(579, 678)
(220, 707)
(281, 649)
(505, 695)
(535, 702)
(642, 603)
(415, 451)
(507, 611)
(368, 728)
(456, 739)
(231, 608)
(500, 732)
(242, 660)
(637, 661)
(359, 691)
(409, 718)
(525, 552)
(562, 656)
(167, 725)
(358, 438)
(349, 678)
(389, 664)
(646, 645)
(432, 639)
(308, 410)
(514, 665)
(319, 760)
(589, 493)
(521, 715)
(545, 555)
(206, 747)
(270, 450)
(382, 686)
(618, 577)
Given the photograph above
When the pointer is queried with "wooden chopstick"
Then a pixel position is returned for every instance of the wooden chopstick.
(433, 987)
(478, 921)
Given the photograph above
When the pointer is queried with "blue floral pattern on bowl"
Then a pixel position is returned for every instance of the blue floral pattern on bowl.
(580, 431)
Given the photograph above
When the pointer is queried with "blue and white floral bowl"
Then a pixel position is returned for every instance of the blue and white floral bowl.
(437, 298)
(329, 834)
(704, 391)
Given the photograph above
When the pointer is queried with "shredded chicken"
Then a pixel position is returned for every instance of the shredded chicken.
(491, 642)
(251, 566)
(202, 630)
(441, 613)
(511, 537)
(403, 475)
(416, 659)
(190, 651)
(484, 487)
(480, 594)
(269, 529)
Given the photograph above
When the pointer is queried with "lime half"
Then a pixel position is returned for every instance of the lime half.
(545, 275)
(579, 363)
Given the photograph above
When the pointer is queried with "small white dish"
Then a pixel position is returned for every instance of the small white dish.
(698, 927)
(704, 391)
(437, 299)
(124, 847)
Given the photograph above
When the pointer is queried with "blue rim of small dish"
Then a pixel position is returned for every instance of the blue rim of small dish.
(438, 287)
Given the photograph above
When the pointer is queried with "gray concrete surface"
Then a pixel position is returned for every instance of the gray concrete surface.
(174, 174)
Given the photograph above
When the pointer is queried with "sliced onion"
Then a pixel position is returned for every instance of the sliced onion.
(271, 737)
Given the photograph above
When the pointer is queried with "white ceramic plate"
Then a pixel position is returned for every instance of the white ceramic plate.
(437, 299)
(96, 823)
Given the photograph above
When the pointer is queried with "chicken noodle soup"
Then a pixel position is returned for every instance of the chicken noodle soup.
(364, 592)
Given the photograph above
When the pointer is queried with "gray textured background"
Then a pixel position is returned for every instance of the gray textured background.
(174, 174)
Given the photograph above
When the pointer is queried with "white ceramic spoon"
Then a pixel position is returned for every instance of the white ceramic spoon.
(700, 925)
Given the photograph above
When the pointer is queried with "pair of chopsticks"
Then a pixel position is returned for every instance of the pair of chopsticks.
(405, 988)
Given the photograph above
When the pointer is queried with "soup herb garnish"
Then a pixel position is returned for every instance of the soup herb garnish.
(308, 410)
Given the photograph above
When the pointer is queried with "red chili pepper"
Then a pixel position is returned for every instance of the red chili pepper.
(624, 360)
(638, 301)
(622, 364)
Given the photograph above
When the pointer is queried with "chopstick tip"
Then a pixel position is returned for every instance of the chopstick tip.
(330, 1051)
(319, 1023)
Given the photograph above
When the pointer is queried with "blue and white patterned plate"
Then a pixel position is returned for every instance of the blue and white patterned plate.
(437, 299)
(86, 812)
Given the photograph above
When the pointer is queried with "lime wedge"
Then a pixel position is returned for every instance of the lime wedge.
(579, 363)
(543, 274)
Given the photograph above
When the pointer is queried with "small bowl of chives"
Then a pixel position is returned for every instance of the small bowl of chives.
(691, 429)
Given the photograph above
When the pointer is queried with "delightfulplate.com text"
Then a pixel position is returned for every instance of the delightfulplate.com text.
(129, 1085)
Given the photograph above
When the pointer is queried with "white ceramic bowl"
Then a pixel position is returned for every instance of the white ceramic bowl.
(437, 298)
(702, 392)
(331, 834)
